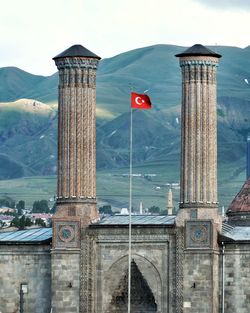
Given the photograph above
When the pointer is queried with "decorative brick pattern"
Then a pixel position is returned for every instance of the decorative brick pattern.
(199, 133)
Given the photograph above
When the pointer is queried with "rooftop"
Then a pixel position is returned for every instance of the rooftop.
(235, 234)
(77, 51)
(34, 235)
(241, 203)
(198, 50)
(44, 235)
(137, 220)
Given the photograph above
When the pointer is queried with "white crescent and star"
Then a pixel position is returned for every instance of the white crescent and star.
(139, 100)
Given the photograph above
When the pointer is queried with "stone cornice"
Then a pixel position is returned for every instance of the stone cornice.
(199, 60)
(76, 62)
(61, 200)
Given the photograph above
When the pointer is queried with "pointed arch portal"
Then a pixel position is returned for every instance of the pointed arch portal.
(142, 298)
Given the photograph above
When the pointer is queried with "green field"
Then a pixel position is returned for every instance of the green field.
(29, 189)
(113, 186)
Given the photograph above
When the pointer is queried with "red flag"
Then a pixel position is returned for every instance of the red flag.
(139, 101)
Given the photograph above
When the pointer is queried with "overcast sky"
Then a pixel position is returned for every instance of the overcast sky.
(32, 31)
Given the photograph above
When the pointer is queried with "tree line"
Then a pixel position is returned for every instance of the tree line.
(20, 220)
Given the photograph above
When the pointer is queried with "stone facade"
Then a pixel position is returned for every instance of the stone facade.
(29, 265)
(65, 271)
(236, 269)
(153, 253)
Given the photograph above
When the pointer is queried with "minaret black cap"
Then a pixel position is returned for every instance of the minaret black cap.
(198, 50)
(77, 51)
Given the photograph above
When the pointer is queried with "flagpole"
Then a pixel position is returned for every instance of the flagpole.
(130, 208)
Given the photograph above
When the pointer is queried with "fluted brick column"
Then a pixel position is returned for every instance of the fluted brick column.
(197, 220)
(199, 135)
(76, 185)
(198, 181)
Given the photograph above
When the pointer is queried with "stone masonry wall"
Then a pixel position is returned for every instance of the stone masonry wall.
(237, 278)
(65, 281)
(29, 264)
(198, 283)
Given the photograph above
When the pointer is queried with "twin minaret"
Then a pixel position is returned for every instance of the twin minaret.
(198, 132)
(76, 187)
(77, 131)
(197, 220)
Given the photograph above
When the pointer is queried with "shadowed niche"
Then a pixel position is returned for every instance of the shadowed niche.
(142, 298)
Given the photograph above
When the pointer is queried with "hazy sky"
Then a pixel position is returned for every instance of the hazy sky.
(32, 31)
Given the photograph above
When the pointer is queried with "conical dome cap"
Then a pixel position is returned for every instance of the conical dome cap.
(77, 51)
(198, 50)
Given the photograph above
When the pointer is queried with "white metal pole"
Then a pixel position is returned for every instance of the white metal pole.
(223, 279)
(130, 209)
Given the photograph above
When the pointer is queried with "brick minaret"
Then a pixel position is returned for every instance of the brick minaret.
(76, 188)
(198, 132)
(198, 221)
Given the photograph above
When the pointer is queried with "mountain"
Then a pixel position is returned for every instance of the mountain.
(154, 68)
(28, 138)
(14, 83)
(28, 127)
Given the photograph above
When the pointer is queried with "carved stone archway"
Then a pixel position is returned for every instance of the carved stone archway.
(146, 286)
(142, 298)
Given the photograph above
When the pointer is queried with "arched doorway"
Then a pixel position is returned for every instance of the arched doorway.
(142, 298)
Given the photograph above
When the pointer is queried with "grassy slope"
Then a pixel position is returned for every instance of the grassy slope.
(27, 137)
(14, 83)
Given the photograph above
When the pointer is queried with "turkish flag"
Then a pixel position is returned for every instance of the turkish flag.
(139, 101)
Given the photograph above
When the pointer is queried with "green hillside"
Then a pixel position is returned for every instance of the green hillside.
(14, 83)
(28, 138)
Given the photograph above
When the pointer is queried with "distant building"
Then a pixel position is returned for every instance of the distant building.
(170, 206)
(6, 220)
(124, 211)
(43, 216)
(141, 208)
(6, 210)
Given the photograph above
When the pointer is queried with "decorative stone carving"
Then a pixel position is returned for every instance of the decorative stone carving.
(179, 270)
(198, 234)
(142, 298)
(66, 234)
